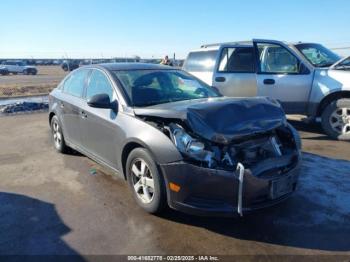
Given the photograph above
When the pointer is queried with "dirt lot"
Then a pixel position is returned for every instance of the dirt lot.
(21, 85)
(54, 204)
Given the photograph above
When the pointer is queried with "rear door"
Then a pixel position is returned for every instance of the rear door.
(70, 105)
(282, 75)
(235, 72)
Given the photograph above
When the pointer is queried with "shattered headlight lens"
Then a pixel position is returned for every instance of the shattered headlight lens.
(189, 146)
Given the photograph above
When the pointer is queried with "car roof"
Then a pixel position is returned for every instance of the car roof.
(132, 66)
(237, 43)
(216, 46)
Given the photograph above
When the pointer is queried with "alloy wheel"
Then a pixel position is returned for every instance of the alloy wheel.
(57, 136)
(340, 120)
(142, 180)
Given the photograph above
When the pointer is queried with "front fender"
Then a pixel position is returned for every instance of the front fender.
(326, 82)
(138, 131)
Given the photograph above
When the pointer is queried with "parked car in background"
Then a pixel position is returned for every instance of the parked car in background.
(70, 65)
(16, 67)
(3, 70)
(56, 62)
(176, 140)
(306, 78)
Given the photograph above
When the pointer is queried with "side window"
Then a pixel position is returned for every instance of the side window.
(74, 85)
(240, 59)
(99, 84)
(277, 59)
(202, 61)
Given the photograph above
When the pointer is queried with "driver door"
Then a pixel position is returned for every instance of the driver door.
(281, 75)
(99, 127)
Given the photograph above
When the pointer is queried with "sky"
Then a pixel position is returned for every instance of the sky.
(154, 28)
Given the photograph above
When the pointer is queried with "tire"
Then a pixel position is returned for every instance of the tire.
(25, 72)
(57, 135)
(14, 73)
(335, 119)
(152, 200)
(34, 72)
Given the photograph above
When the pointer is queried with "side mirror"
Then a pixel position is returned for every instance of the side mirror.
(100, 101)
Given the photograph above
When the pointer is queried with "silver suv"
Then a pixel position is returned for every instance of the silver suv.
(306, 78)
(16, 67)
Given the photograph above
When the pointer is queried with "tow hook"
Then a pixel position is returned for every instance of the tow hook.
(240, 168)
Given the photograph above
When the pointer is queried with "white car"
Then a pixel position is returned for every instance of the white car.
(16, 67)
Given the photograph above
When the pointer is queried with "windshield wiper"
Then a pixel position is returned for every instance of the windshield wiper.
(152, 103)
(325, 64)
(342, 67)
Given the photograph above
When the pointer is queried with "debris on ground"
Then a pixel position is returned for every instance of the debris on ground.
(93, 171)
(23, 107)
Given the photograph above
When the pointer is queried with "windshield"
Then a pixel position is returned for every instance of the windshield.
(152, 87)
(318, 55)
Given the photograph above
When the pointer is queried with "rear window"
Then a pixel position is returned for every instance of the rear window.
(74, 84)
(240, 59)
(203, 61)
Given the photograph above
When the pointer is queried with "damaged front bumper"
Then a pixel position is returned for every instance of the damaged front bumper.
(216, 192)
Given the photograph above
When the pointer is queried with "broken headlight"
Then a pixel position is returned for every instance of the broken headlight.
(190, 146)
(296, 136)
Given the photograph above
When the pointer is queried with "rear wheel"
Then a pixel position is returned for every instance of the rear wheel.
(145, 181)
(57, 135)
(336, 119)
(25, 72)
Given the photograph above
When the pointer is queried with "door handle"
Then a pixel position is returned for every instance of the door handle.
(83, 115)
(220, 79)
(269, 81)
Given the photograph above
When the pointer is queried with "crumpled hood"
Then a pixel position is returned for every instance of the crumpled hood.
(222, 119)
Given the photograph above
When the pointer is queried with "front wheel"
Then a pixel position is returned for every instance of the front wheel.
(145, 181)
(336, 119)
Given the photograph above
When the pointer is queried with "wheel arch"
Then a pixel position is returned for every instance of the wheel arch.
(128, 147)
(51, 115)
(329, 98)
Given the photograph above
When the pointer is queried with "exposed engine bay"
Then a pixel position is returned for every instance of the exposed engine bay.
(251, 150)
(224, 132)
